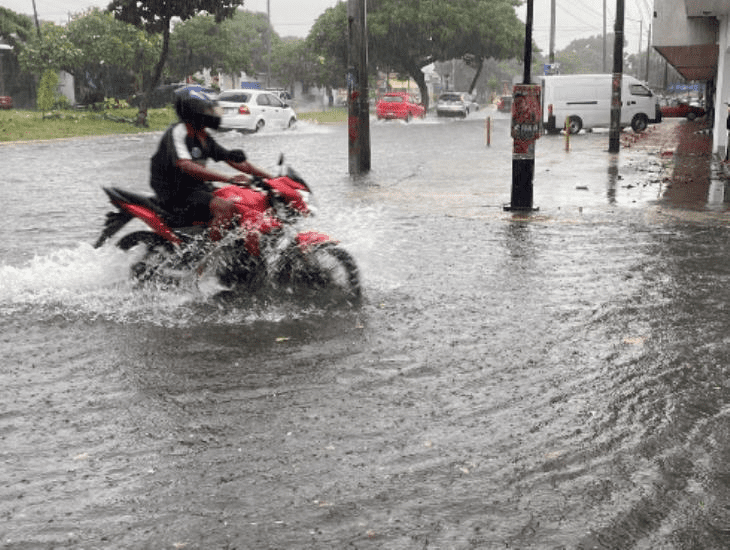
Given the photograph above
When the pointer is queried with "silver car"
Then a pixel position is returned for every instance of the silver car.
(453, 104)
(254, 110)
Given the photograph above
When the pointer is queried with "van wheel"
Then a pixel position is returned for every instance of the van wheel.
(639, 123)
(575, 125)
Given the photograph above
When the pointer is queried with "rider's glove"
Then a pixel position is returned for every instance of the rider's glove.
(236, 155)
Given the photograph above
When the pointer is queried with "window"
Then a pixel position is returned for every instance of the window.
(235, 97)
(275, 101)
(638, 89)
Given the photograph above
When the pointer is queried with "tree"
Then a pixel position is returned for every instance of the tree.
(407, 35)
(114, 55)
(237, 44)
(102, 53)
(15, 28)
(155, 16)
(294, 61)
(47, 90)
(328, 43)
(51, 50)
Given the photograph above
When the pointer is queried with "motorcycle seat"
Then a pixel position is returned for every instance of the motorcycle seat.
(148, 201)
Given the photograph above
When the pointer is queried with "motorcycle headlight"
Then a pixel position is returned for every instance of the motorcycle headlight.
(307, 200)
(305, 195)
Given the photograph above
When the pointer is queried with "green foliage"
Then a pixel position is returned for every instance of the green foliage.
(15, 28)
(407, 35)
(61, 103)
(236, 44)
(294, 61)
(104, 41)
(99, 51)
(155, 15)
(52, 50)
(327, 44)
(47, 90)
(19, 125)
(113, 103)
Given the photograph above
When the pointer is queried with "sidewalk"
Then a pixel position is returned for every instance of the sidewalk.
(692, 176)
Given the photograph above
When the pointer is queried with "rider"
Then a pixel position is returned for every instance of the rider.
(178, 172)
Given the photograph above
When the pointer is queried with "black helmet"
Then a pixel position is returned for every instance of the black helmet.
(197, 108)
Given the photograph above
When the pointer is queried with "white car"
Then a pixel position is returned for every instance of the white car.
(453, 104)
(254, 110)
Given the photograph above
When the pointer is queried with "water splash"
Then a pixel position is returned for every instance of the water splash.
(88, 284)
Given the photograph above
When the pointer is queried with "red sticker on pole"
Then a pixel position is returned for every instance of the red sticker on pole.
(526, 120)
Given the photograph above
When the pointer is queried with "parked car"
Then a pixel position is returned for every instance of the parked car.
(6, 102)
(454, 104)
(504, 104)
(399, 105)
(677, 108)
(254, 110)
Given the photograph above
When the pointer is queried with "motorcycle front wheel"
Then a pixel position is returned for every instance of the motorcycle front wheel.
(156, 256)
(330, 272)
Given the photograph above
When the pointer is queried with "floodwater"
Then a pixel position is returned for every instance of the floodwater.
(551, 380)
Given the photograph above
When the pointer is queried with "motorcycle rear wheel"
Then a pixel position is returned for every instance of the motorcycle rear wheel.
(330, 272)
(157, 253)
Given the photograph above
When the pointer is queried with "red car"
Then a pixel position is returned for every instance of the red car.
(398, 105)
(677, 108)
(6, 102)
(505, 104)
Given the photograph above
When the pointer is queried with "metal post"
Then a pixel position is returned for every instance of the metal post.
(614, 138)
(552, 32)
(268, 45)
(604, 37)
(648, 54)
(357, 89)
(526, 128)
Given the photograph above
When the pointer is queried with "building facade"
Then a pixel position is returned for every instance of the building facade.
(694, 37)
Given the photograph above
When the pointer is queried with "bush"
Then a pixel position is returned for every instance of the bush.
(61, 103)
(47, 90)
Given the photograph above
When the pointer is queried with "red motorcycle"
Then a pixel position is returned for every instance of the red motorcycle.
(261, 250)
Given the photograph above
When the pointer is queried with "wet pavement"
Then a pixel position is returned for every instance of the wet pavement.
(547, 380)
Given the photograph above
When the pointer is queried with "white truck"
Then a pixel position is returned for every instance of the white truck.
(584, 100)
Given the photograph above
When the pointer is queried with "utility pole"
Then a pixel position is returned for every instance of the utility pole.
(648, 54)
(605, 66)
(37, 24)
(614, 138)
(526, 128)
(552, 31)
(268, 45)
(357, 88)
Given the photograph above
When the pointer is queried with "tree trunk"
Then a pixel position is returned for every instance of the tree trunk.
(476, 76)
(152, 83)
(420, 78)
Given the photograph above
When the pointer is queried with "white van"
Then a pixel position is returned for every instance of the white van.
(585, 100)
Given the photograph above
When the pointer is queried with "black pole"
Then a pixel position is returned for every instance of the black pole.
(614, 137)
(526, 128)
(528, 44)
(357, 89)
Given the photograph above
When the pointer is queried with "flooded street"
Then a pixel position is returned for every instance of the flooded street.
(552, 380)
